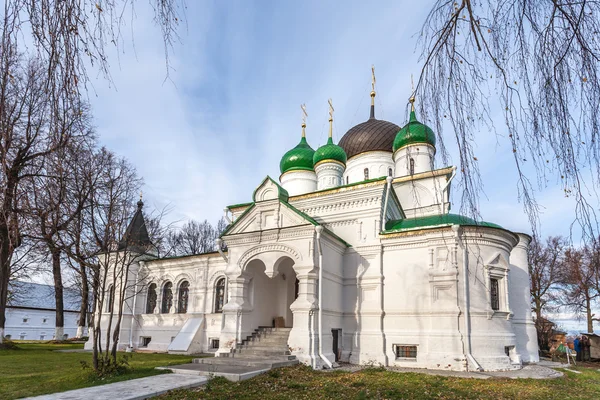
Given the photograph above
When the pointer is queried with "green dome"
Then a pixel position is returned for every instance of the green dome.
(414, 132)
(297, 159)
(329, 151)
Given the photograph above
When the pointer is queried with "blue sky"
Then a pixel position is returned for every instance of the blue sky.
(207, 136)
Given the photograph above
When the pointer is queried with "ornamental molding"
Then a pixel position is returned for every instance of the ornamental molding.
(343, 205)
(298, 232)
(266, 248)
(336, 224)
(329, 165)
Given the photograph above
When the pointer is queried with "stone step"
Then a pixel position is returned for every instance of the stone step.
(271, 362)
(261, 352)
(266, 346)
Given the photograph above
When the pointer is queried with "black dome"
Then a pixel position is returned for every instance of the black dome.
(371, 135)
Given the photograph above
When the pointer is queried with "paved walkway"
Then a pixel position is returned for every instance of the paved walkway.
(134, 389)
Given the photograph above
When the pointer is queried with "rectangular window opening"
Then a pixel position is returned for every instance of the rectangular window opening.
(495, 294)
(214, 344)
(145, 340)
(405, 351)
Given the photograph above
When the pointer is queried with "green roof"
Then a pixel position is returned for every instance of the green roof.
(434, 221)
(298, 159)
(330, 151)
(414, 132)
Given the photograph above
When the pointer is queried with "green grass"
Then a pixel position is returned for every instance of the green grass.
(301, 382)
(36, 369)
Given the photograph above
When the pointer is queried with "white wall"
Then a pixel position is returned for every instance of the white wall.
(299, 182)
(377, 162)
(40, 324)
(422, 155)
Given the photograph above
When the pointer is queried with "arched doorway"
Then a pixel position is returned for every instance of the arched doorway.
(271, 297)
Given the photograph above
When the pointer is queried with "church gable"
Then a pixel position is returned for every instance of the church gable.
(269, 190)
(270, 210)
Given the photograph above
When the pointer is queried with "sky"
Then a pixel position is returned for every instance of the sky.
(207, 135)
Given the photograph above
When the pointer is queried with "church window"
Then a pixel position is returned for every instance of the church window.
(25, 320)
(389, 171)
(151, 299)
(219, 295)
(366, 173)
(145, 340)
(183, 296)
(347, 180)
(111, 299)
(214, 343)
(412, 166)
(403, 351)
(495, 294)
(167, 298)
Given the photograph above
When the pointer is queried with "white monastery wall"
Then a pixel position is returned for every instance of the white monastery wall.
(35, 324)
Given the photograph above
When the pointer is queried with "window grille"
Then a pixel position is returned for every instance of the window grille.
(111, 299)
(167, 299)
(366, 173)
(182, 300)
(214, 343)
(405, 351)
(412, 166)
(495, 294)
(151, 299)
(219, 295)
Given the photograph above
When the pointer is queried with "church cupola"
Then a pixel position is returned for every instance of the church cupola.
(414, 146)
(329, 160)
(296, 166)
(136, 237)
(368, 146)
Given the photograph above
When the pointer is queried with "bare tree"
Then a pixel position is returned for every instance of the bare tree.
(545, 262)
(578, 278)
(537, 63)
(66, 38)
(194, 237)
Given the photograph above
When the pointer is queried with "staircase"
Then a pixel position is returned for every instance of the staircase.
(265, 349)
(265, 342)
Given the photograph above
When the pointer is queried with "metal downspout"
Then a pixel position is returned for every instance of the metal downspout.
(470, 358)
(319, 229)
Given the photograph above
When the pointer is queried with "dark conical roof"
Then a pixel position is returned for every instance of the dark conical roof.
(372, 135)
(136, 235)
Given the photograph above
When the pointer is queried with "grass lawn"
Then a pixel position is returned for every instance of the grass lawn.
(301, 382)
(35, 368)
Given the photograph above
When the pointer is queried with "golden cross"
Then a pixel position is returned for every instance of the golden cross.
(373, 80)
(331, 110)
(304, 113)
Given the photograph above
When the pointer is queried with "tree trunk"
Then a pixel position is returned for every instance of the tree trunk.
(588, 310)
(4, 276)
(83, 308)
(58, 294)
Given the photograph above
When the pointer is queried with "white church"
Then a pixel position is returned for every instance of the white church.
(353, 256)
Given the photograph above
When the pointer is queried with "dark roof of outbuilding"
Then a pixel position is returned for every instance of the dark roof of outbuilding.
(136, 234)
(371, 135)
(40, 296)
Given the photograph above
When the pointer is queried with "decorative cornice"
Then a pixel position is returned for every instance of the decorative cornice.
(426, 174)
(265, 248)
(336, 164)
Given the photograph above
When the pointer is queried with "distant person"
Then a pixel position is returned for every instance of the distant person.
(577, 348)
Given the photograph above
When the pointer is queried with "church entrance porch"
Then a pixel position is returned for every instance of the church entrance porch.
(271, 296)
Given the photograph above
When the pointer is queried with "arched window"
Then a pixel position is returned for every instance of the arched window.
(347, 180)
(366, 173)
(110, 300)
(167, 298)
(219, 295)
(182, 297)
(390, 171)
(412, 166)
(151, 299)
